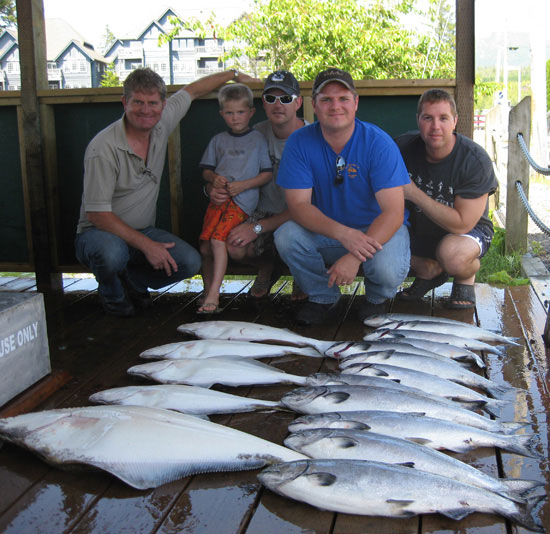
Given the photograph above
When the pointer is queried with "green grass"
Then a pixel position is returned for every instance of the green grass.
(497, 267)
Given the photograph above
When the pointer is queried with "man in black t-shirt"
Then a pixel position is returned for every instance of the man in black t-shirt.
(451, 180)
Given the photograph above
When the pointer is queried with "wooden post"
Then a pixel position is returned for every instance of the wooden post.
(465, 66)
(32, 54)
(518, 170)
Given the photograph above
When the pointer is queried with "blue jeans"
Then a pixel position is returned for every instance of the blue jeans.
(308, 256)
(109, 256)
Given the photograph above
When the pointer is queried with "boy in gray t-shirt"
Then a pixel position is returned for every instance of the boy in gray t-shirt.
(237, 160)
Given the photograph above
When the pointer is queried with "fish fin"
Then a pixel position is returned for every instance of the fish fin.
(457, 514)
(356, 425)
(399, 507)
(419, 441)
(379, 372)
(322, 479)
(338, 397)
(345, 443)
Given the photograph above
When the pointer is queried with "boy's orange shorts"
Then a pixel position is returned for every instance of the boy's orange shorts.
(220, 220)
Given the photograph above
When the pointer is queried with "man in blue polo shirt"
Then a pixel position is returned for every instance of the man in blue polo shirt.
(343, 180)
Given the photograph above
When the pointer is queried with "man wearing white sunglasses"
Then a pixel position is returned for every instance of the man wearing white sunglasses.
(252, 241)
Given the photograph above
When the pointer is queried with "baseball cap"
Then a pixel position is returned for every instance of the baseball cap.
(284, 80)
(333, 75)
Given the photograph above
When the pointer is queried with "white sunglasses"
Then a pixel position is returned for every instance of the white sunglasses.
(283, 99)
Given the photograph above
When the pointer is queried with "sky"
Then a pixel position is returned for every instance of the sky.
(128, 17)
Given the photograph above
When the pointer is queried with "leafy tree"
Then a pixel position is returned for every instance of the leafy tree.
(366, 38)
(7, 13)
(108, 39)
(110, 77)
(438, 45)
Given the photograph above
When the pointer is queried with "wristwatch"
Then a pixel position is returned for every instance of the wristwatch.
(258, 229)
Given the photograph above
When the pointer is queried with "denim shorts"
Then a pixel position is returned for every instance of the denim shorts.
(424, 246)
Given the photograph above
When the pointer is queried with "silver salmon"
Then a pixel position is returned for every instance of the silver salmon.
(360, 445)
(432, 384)
(409, 335)
(462, 330)
(335, 379)
(421, 347)
(449, 370)
(419, 428)
(380, 489)
(319, 399)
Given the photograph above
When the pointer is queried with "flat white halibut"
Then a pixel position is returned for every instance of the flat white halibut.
(244, 331)
(192, 400)
(416, 427)
(208, 348)
(319, 399)
(380, 489)
(144, 447)
(360, 445)
(229, 371)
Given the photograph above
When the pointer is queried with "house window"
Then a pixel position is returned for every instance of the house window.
(83, 66)
(163, 67)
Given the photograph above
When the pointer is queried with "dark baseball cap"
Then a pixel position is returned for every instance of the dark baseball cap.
(333, 75)
(284, 80)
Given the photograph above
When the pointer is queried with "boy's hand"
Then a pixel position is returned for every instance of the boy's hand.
(234, 188)
(219, 181)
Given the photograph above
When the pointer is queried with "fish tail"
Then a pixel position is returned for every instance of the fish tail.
(521, 487)
(497, 390)
(525, 515)
(521, 444)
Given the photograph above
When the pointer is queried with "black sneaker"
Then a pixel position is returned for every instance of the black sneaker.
(140, 299)
(121, 308)
(316, 313)
(368, 308)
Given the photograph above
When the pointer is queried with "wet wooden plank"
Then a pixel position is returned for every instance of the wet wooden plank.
(19, 284)
(99, 350)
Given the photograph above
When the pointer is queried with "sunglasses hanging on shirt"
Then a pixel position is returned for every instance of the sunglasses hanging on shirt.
(340, 168)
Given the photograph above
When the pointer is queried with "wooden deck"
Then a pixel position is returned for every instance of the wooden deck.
(96, 350)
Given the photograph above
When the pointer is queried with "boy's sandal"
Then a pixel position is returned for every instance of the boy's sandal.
(421, 286)
(462, 297)
(209, 308)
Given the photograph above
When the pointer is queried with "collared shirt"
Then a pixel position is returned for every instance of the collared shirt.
(117, 180)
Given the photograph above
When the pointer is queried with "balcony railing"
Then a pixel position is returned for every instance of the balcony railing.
(209, 70)
(210, 50)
